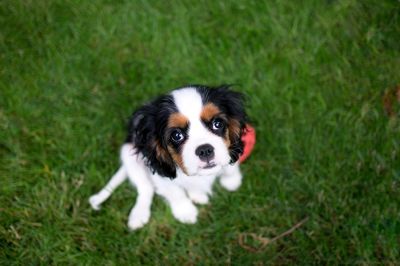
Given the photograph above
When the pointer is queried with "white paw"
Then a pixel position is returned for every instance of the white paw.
(198, 197)
(138, 218)
(231, 183)
(185, 212)
(95, 201)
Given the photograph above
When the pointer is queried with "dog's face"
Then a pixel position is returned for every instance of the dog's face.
(196, 129)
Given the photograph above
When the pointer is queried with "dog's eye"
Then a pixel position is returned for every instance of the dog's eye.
(177, 136)
(217, 124)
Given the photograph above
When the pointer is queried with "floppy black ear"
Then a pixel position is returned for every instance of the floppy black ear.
(232, 104)
(145, 132)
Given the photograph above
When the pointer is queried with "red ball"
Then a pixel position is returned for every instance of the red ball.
(249, 139)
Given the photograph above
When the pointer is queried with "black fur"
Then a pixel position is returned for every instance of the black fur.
(231, 103)
(146, 128)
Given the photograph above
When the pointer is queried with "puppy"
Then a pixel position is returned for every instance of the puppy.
(177, 146)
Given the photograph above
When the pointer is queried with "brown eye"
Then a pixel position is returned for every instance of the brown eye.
(177, 136)
(217, 124)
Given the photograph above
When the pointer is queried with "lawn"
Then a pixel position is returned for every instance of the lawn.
(321, 79)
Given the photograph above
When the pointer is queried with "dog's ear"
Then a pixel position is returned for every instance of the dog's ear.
(232, 103)
(146, 135)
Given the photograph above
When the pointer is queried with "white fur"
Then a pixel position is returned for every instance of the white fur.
(180, 193)
(189, 103)
(184, 190)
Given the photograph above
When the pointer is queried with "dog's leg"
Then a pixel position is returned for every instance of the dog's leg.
(116, 180)
(197, 188)
(182, 207)
(198, 196)
(231, 177)
(139, 175)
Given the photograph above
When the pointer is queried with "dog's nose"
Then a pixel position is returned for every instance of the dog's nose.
(205, 152)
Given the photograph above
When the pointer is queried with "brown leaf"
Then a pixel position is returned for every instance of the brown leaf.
(389, 100)
(388, 103)
(243, 237)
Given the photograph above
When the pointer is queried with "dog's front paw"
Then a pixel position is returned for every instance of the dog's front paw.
(138, 218)
(97, 199)
(198, 197)
(232, 182)
(185, 212)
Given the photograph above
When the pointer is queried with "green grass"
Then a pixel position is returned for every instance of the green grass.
(315, 73)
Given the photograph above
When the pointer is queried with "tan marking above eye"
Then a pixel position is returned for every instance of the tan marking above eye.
(209, 111)
(177, 120)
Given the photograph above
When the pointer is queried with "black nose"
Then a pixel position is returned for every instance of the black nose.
(205, 152)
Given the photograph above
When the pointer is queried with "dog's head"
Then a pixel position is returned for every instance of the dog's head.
(196, 129)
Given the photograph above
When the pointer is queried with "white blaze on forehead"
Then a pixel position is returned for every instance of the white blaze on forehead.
(189, 102)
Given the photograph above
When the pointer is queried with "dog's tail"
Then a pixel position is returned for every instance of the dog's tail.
(116, 180)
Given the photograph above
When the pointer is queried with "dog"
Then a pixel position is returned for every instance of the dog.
(177, 145)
